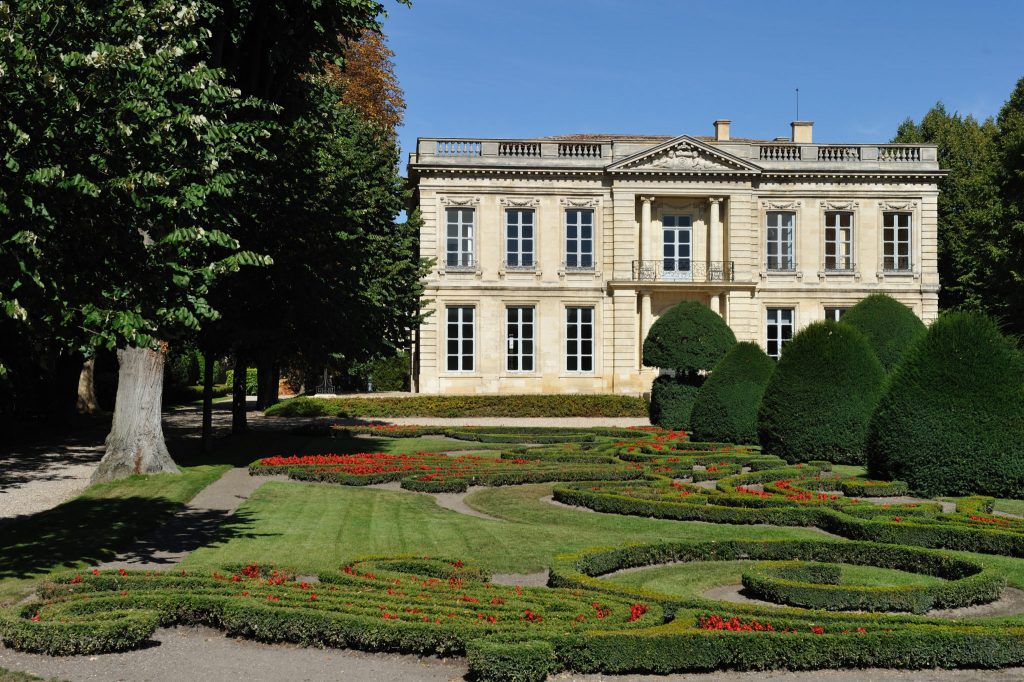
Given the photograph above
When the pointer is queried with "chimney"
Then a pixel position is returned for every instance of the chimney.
(722, 130)
(802, 131)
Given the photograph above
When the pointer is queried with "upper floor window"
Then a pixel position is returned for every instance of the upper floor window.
(579, 339)
(835, 314)
(579, 238)
(519, 238)
(779, 240)
(896, 241)
(779, 330)
(459, 237)
(839, 240)
(460, 338)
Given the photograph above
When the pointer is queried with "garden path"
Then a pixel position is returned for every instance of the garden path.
(200, 653)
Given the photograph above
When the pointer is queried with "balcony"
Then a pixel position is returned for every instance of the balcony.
(691, 271)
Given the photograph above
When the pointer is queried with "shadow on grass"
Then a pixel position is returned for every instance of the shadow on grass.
(242, 450)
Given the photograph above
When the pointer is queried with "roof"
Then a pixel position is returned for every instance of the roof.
(584, 137)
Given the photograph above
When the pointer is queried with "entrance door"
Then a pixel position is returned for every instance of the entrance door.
(677, 241)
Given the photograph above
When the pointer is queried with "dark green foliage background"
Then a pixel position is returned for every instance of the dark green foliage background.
(725, 409)
(688, 338)
(819, 400)
(889, 326)
(952, 419)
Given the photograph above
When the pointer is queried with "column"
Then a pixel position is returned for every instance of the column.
(716, 268)
(645, 322)
(645, 225)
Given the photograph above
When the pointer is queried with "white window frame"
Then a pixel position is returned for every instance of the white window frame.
(774, 318)
(460, 338)
(574, 339)
(519, 249)
(575, 254)
(516, 330)
(842, 248)
(784, 258)
(463, 233)
(835, 312)
(892, 260)
(676, 222)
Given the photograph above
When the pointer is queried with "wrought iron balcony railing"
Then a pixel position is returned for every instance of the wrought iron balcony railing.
(681, 270)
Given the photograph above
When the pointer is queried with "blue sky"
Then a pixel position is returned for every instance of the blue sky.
(523, 68)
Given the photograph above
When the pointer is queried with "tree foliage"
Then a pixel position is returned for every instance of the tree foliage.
(818, 402)
(687, 338)
(952, 419)
(725, 407)
(889, 326)
(368, 82)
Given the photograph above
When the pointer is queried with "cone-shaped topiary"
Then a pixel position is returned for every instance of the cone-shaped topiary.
(688, 338)
(889, 325)
(672, 401)
(725, 409)
(951, 421)
(821, 396)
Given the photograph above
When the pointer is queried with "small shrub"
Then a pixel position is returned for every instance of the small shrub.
(252, 384)
(688, 338)
(819, 400)
(390, 374)
(725, 409)
(889, 326)
(952, 419)
(672, 402)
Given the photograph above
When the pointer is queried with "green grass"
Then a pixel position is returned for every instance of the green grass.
(15, 676)
(94, 526)
(845, 470)
(316, 527)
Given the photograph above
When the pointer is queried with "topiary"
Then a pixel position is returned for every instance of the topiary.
(819, 400)
(688, 338)
(952, 419)
(725, 409)
(889, 325)
(672, 402)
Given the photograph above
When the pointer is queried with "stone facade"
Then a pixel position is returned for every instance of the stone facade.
(553, 256)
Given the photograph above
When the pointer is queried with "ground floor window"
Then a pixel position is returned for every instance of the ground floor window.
(579, 339)
(835, 314)
(460, 338)
(519, 338)
(779, 330)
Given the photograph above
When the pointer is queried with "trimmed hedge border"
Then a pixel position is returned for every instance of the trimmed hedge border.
(567, 405)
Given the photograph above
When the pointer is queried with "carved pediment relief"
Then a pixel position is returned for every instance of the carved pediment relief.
(684, 155)
(839, 205)
(459, 201)
(898, 205)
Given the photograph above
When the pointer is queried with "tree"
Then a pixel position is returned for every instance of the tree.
(818, 402)
(889, 326)
(368, 82)
(118, 149)
(1009, 244)
(952, 419)
(725, 408)
(688, 339)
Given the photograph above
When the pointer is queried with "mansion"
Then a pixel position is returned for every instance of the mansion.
(553, 256)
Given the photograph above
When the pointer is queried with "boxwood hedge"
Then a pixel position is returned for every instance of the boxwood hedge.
(725, 408)
(889, 326)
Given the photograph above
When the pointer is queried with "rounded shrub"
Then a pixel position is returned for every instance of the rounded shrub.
(688, 338)
(672, 402)
(889, 326)
(725, 409)
(820, 398)
(952, 419)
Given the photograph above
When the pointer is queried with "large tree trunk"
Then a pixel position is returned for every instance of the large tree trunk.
(207, 436)
(269, 381)
(87, 401)
(238, 418)
(136, 441)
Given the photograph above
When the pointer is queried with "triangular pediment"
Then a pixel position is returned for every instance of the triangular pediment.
(684, 155)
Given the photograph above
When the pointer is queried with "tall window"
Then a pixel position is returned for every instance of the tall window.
(780, 240)
(519, 238)
(835, 314)
(676, 241)
(579, 339)
(838, 240)
(579, 238)
(896, 241)
(459, 238)
(519, 335)
(780, 330)
(460, 338)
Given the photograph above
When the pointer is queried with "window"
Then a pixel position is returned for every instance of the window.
(780, 330)
(460, 338)
(838, 240)
(459, 234)
(579, 239)
(896, 241)
(835, 314)
(780, 240)
(519, 238)
(676, 231)
(579, 339)
(519, 335)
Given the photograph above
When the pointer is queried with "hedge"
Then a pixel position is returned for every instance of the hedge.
(952, 420)
(567, 405)
(252, 384)
(819, 401)
(725, 407)
(889, 326)
(687, 338)
(672, 400)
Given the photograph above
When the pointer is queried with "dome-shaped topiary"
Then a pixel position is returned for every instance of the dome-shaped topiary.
(688, 338)
(889, 325)
(819, 400)
(725, 409)
(671, 402)
(951, 421)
